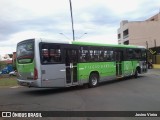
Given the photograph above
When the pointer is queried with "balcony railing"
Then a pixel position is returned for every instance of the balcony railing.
(125, 36)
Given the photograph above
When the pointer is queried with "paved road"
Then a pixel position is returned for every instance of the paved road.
(141, 94)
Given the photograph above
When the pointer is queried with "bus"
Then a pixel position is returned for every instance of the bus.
(51, 63)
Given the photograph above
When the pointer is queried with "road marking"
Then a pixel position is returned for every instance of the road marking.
(15, 86)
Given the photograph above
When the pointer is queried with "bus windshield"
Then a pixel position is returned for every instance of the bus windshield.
(25, 52)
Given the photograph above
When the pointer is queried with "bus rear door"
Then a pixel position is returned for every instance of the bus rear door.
(71, 58)
(119, 59)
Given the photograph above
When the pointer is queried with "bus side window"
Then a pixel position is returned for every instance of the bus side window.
(82, 55)
(85, 56)
(108, 55)
(130, 54)
(73, 55)
(96, 55)
(111, 55)
(50, 54)
(137, 53)
(101, 56)
(105, 55)
(57, 55)
(144, 54)
(45, 56)
(91, 55)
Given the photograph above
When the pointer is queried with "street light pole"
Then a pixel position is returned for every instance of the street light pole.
(82, 35)
(72, 19)
(64, 36)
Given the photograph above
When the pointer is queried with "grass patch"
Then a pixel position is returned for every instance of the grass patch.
(8, 81)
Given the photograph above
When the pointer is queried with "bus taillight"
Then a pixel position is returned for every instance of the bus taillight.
(35, 74)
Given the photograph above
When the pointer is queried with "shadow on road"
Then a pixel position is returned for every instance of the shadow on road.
(120, 80)
(48, 91)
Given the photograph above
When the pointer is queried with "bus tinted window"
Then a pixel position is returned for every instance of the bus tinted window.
(108, 55)
(144, 54)
(72, 56)
(137, 53)
(83, 55)
(50, 54)
(25, 52)
(95, 54)
(130, 54)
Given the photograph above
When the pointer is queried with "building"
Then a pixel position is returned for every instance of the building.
(14, 58)
(143, 33)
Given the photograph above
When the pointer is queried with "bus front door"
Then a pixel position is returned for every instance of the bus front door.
(119, 58)
(71, 66)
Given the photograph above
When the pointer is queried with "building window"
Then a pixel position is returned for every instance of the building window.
(126, 42)
(119, 36)
(125, 34)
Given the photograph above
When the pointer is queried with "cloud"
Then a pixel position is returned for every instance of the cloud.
(22, 19)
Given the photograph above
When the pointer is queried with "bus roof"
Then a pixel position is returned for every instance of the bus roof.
(109, 45)
(37, 40)
(82, 43)
(52, 40)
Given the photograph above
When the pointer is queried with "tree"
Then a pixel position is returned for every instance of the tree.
(14, 65)
(2, 64)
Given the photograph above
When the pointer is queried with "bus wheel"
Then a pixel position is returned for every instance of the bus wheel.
(136, 73)
(93, 80)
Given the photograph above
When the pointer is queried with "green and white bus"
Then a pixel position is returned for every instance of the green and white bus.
(46, 63)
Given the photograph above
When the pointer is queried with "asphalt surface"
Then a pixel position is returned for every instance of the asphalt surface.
(129, 94)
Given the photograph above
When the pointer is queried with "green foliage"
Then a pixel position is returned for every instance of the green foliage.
(2, 64)
(14, 65)
(8, 81)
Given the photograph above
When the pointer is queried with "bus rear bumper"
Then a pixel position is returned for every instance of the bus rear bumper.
(28, 83)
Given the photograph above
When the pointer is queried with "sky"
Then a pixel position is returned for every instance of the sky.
(94, 20)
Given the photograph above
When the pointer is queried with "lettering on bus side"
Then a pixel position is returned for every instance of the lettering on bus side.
(94, 66)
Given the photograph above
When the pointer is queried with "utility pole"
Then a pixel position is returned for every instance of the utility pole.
(72, 19)
(147, 44)
(155, 45)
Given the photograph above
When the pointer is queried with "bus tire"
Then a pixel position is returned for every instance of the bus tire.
(93, 80)
(136, 73)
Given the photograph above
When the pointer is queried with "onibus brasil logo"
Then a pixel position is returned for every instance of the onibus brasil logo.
(19, 114)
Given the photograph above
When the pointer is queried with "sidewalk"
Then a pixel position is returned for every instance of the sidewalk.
(156, 66)
(154, 71)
